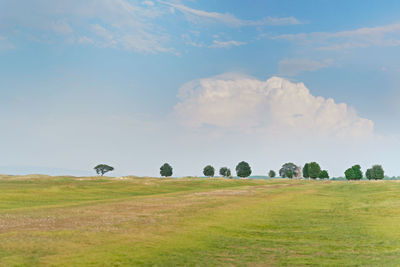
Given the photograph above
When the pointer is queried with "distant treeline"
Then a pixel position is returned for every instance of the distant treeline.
(289, 170)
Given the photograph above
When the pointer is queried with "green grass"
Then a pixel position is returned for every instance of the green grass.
(67, 221)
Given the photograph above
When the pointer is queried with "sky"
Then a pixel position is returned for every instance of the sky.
(134, 84)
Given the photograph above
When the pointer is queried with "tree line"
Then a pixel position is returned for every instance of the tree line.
(290, 170)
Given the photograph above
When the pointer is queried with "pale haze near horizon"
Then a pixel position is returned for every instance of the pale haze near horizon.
(134, 84)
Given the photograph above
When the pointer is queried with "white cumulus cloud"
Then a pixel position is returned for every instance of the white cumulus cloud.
(277, 106)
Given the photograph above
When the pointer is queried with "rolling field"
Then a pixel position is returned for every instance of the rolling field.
(65, 221)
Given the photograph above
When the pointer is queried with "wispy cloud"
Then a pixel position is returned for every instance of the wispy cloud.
(5, 44)
(120, 24)
(387, 35)
(230, 19)
(226, 44)
(61, 27)
(293, 66)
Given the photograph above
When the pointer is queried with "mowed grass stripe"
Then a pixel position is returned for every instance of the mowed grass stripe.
(63, 192)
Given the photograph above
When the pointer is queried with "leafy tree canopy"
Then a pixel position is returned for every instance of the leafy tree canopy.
(166, 170)
(271, 174)
(323, 175)
(376, 172)
(288, 170)
(209, 171)
(358, 175)
(314, 170)
(223, 171)
(243, 169)
(305, 171)
(349, 173)
(103, 168)
(369, 174)
(354, 173)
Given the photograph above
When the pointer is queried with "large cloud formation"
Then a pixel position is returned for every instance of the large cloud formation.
(235, 102)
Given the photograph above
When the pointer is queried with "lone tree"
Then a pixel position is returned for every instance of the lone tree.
(305, 171)
(314, 170)
(209, 171)
(228, 173)
(323, 175)
(166, 170)
(271, 174)
(288, 170)
(376, 172)
(354, 173)
(243, 169)
(103, 168)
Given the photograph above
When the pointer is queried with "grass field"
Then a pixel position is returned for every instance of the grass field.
(65, 221)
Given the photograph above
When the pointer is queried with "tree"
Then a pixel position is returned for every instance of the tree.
(354, 173)
(209, 171)
(288, 170)
(314, 170)
(376, 172)
(223, 171)
(243, 169)
(358, 175)
(305, 171)
(369, 174)
(323, 175)
(103, 168)
(166, 170)
(271, 174)
(349, 173)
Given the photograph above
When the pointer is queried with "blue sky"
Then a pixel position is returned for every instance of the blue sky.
(138, 83)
